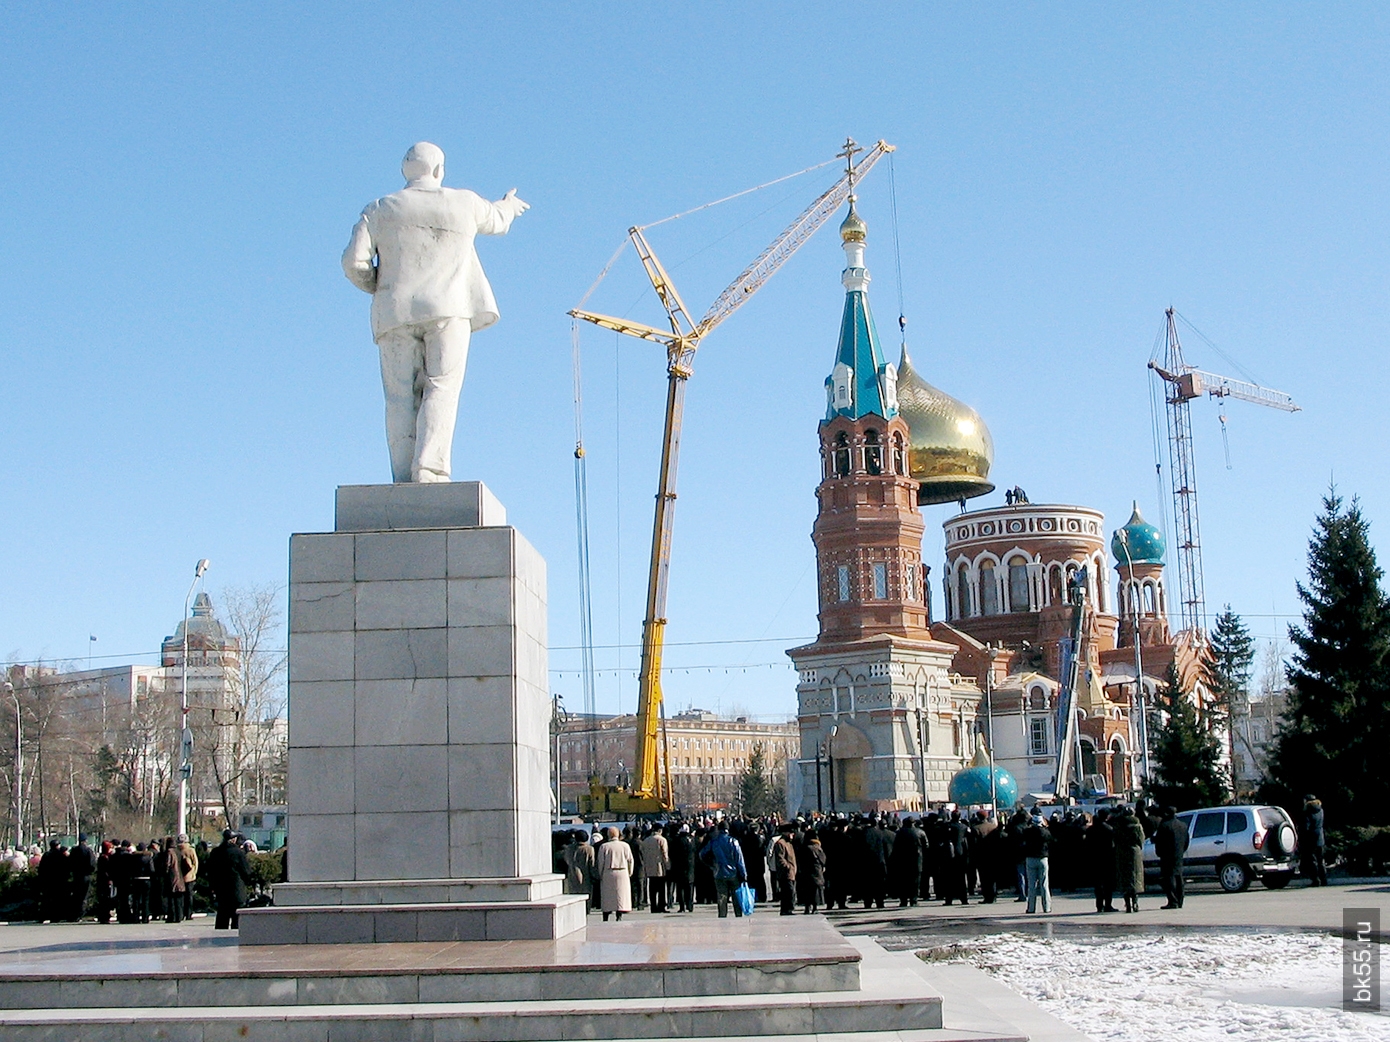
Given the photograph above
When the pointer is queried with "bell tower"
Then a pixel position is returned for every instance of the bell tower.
(882, 724)
(868, 533)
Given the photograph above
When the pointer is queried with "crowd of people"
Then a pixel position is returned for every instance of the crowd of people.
(137, 882)
(818, 863)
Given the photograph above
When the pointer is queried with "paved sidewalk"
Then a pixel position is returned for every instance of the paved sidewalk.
(1206, 909)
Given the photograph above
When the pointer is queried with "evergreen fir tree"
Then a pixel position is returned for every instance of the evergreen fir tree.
(1332, 741)
(1228, 677)
(1186, 769)
(754, 787)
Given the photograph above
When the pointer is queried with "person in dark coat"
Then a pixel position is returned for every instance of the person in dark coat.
(878, 848)
(988, 844)
(953, 847)
(785, 867)
(141, 867)
(229, 874)
(1170, 844)
(82, 861)
(683, 868)
(905, 862)
(837, 881)
(1129, 857)
(1099, 844)
(105, 885)
(1313, 842)
(122, 872)
(814, 891)
(55, 883)
(1017, 824)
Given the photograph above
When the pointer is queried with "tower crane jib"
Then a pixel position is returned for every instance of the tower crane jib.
(1183, 383)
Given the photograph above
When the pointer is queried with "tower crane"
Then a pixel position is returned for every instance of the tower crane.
(1182, 383)
(650, 789)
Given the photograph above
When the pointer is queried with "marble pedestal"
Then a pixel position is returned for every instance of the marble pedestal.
(419, 727)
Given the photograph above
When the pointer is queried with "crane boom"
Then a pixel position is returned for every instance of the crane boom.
(750, 280)
(644, 794)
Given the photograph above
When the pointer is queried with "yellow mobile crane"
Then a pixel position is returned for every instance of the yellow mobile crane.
(649, 791)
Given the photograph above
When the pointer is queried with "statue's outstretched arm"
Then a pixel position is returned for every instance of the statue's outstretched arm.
(497, 217)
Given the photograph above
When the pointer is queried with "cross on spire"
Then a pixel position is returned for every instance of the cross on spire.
(847, 154)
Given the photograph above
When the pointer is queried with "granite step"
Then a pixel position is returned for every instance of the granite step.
(892, 998)
(658, 958)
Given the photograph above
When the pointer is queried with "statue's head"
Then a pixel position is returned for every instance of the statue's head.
(423, 166)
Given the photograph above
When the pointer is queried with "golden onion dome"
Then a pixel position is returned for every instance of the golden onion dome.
(951, 450)
(853, 228)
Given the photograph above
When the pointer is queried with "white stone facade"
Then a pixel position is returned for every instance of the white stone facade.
(881, 697)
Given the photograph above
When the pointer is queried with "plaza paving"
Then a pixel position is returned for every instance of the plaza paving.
(1206, 908)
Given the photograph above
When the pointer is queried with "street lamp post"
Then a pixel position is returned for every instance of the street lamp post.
(989, 725)
(1139, 696)
(18, 770)
(185, 735)
(830, 764)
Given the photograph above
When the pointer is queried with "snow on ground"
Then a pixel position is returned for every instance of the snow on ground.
(1181, 988)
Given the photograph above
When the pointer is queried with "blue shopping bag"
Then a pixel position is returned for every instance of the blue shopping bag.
(744, 896)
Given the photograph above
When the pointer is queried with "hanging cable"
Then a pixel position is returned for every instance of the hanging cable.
(738, 195)
(581, 508)
(1159, 436)
(897, 248)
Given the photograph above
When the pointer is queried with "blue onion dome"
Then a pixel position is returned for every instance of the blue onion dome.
(1143, 541)
(970, 785)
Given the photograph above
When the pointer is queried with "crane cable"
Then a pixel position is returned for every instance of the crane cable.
(581, 509)
(897, 250)
(686, 213)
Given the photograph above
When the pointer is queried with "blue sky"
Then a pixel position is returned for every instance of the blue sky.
(187, 374)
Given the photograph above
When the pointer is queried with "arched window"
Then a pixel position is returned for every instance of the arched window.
(841, 455)
(963, 591)
(989, 590)
(1149, 605)
(899, 455)
(1054, 585)
(1037, 699)
(873, 453)
(1071, 574)
(1018, 584)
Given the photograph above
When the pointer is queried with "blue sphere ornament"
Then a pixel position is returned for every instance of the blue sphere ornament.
(970, 787)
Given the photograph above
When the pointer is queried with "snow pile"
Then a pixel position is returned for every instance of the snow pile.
(1231, 987)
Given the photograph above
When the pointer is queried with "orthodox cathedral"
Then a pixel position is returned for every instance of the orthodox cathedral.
(892, 704)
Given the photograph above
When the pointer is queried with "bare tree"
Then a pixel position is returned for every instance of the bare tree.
(242, 735)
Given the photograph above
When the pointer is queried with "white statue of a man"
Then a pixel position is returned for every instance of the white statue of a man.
(413, 251)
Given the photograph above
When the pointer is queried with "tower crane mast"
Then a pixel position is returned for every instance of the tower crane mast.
(650, 791)
(1182, 383)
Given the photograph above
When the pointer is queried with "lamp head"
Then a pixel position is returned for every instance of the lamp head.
(202, 567)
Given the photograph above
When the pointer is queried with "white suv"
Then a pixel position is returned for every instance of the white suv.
(1233, 845)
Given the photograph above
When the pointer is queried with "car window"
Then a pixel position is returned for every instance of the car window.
(1186, 819)
(1237, 821)
(1270, 817)
(1212, 823)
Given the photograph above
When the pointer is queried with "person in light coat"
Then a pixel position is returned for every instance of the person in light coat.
(656, 863)
(615, 866)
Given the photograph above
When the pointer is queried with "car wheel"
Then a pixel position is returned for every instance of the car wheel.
(1233, 876)
(1276, 880)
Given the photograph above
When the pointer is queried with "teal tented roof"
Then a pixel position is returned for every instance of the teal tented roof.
(862, 352)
